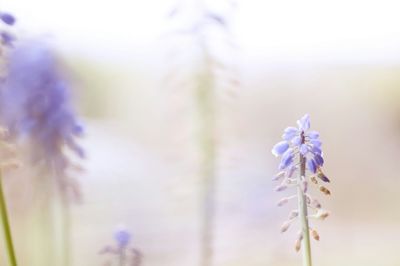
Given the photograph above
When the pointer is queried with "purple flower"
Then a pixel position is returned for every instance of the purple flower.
(36, 104)
(296, 141)
(300, 141)
(311, 165)
(313, 134)
(319, 160)
(287, 159)
(316, 143)
(316, 150)
(289, 133)
(301, 152)
(7, 18)
(123, 237)
(7, 38)
(304, 122)
(303, 149)
(280, 148)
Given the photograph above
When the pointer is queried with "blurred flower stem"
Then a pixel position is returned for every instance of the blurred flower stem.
(6, 226)
(66, 230)
(304, 212)
(206, 114)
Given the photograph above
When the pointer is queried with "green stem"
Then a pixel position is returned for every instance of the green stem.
(306, 247)
(6, 226)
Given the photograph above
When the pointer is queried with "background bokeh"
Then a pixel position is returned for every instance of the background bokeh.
(337, 61)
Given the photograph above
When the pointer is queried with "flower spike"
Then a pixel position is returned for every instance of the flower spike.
(302, 154)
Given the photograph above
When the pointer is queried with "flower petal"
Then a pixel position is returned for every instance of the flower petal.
(303, 149)
(287, 159)
(304, 122)
(311, 165)
(313, 134)
(319, 160)
(322, 176)
(7, 18)
(316, 150)
(296, 141)
(316, 143)
(289, 133)
(280, 148)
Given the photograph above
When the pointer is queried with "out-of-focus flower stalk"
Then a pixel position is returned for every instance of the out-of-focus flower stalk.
(206, 111)
(208, 77)
(6, 226)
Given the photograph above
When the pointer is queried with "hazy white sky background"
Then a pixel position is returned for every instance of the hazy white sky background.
(284, 31)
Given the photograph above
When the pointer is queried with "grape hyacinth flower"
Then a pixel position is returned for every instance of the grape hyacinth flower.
(301, 152)
(36, 106)
(122, 252)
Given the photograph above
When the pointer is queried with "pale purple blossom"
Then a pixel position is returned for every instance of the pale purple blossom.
(280, 148)
(36, 104)
(300, 141)
(122, 237)
(301, 152)
(7, 18)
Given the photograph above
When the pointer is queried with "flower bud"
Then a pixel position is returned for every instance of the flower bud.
(315, 203)
(322, 176)
(314, 179)
(321, 214)
(285, 226)
(282, 202)
(297, 245)
(280, 188)
(293, 214)
(315, 234)
(278, 176)
(324, 190)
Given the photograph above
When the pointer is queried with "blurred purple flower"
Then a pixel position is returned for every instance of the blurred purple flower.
(7, 18)
(7, 38)
(123, 252)
(123, 237)
(36, 103)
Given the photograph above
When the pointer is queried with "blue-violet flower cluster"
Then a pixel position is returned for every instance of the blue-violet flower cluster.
(301, 152)
(122, 252)
(36, 106)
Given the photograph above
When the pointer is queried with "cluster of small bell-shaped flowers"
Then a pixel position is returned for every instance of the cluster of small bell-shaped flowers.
(301, 146)
(37, 108)
(122, 251)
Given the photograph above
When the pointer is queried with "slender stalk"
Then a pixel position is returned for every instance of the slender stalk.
(306, 247)
(206, 111)
(122, 257)
(6, 226)
(66, 229)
